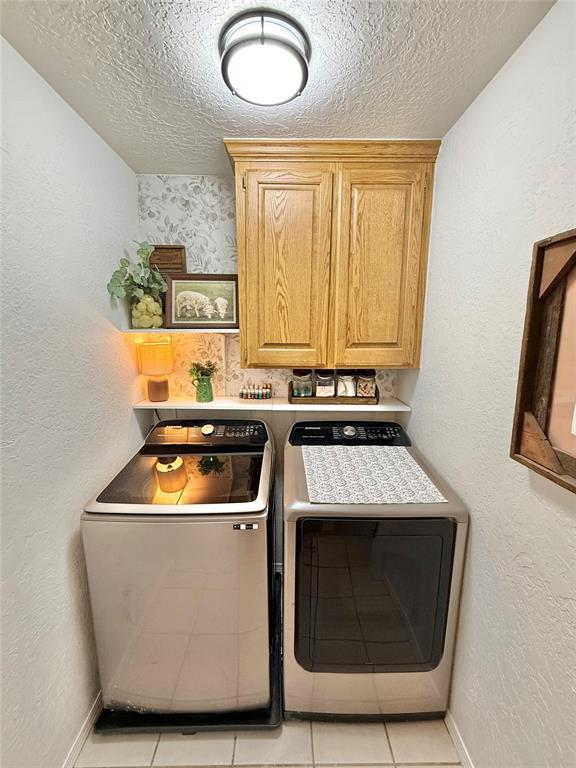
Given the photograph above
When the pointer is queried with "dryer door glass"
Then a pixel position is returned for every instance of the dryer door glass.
(372, 595)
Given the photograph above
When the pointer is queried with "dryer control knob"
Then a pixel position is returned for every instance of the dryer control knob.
(207, 429)
(349, 431)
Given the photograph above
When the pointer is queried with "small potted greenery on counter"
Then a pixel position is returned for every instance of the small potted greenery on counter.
(201, 375)
(142, 285)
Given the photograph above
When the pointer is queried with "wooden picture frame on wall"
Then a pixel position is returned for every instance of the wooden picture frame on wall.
(544, 430)
(202, 301)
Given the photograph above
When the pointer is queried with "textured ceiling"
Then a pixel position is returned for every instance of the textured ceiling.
(145, 73)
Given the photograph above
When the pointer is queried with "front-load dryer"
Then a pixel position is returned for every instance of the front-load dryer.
(374, 550)
(178, 551)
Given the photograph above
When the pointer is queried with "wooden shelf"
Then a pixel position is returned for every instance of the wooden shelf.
(179, 330)
(386, 404)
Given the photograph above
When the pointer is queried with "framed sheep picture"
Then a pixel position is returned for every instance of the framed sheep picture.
(202, 301)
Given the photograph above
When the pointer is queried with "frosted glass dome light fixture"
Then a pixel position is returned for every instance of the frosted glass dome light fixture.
(264, 57)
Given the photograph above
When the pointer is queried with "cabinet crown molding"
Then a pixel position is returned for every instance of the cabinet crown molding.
(332, 149)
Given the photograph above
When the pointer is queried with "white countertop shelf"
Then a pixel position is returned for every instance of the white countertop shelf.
(390, 404)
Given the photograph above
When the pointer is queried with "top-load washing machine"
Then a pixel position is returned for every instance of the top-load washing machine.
(179, 556)
(374, 549)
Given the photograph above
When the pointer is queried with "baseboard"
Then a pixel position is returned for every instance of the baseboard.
(454, 731)
(84, 732)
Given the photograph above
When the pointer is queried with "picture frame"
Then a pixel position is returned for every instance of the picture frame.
(169, 259)
(201, 301)
(544, 428)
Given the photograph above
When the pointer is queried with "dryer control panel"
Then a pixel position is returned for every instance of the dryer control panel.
(348, 433)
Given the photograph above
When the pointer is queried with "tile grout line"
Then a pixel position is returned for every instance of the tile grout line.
(312, 743)
(333, 765)
(155, 750)
(389, 742)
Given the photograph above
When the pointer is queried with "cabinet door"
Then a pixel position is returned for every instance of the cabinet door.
(285, 268)
(381, 261)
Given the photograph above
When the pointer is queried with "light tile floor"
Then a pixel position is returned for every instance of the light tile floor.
(425, 744)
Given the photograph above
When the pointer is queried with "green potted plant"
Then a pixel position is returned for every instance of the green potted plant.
(142, 285)
(201, 375)
(208, 465)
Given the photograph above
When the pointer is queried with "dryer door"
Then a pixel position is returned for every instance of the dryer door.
(372, 595)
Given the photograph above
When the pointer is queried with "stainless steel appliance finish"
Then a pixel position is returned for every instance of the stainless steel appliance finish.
(179, 582)
(371, 591)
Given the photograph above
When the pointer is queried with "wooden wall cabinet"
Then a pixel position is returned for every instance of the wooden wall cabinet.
(332, 251)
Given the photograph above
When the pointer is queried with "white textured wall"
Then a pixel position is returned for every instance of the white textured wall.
(505, 178)
(69, 211)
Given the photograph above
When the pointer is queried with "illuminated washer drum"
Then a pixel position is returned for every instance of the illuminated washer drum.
(264, 58)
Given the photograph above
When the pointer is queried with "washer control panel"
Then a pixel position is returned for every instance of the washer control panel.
(240, 430)
(348, 433)
(194, 435)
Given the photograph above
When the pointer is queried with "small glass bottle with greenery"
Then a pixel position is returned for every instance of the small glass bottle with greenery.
(201, 375)
(142, 285)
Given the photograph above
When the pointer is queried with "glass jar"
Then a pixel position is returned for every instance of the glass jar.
(325, 383)
(366, 383)
(146, 312)
(346, 386)
(302, 382)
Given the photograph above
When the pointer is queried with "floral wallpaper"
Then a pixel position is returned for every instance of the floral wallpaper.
(237, 377)
(188, 348)
(224, 350)
(199, 212)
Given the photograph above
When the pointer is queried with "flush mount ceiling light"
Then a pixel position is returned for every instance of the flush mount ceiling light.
(264, 57)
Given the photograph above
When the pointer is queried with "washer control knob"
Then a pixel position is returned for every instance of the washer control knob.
(207, 429)
(349, 431)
